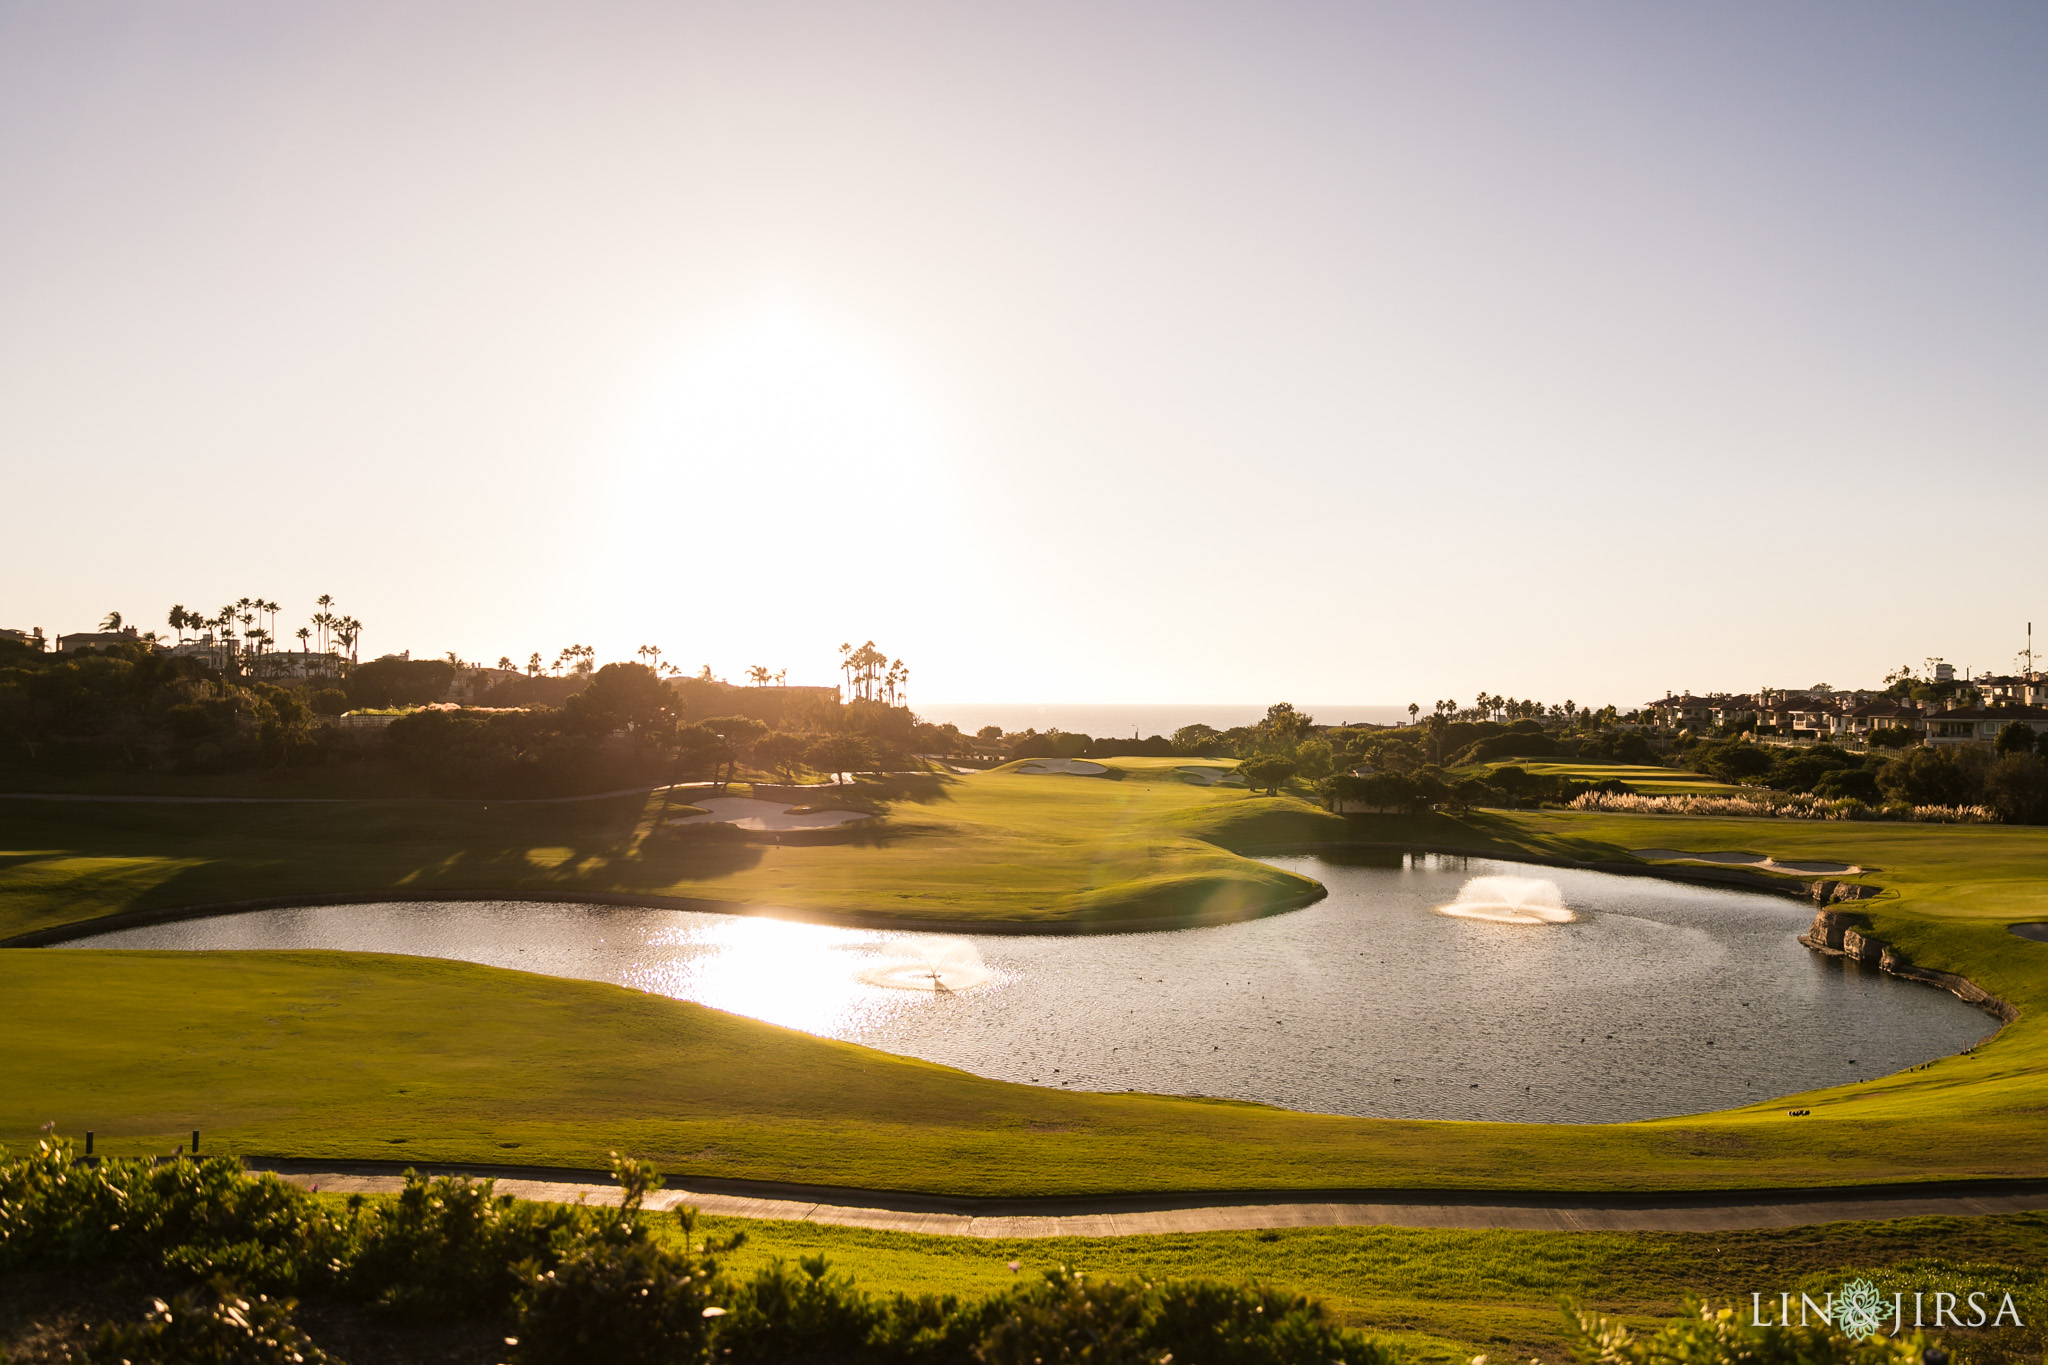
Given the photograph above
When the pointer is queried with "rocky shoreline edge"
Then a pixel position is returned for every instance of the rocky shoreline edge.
(1840, 933)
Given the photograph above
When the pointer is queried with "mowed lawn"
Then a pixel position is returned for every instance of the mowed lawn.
(347, 1055)
(987, 845)
(1648, 779)
(1450, 1295)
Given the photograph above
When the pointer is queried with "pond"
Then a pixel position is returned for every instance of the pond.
(1655, 998)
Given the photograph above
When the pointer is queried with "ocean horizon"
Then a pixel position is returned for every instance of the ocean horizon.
(1117, 720)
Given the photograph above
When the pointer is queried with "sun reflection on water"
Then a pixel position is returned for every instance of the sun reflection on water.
(812, 977)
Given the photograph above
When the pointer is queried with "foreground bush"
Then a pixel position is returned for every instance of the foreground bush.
(1722, 1338)
(565, 1285)
(199, 1218)
(217, 1326)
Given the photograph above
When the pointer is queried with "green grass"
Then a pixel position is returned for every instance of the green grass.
(349, 1055)
(989, 845)
(1448, 1295)
(1645, 778)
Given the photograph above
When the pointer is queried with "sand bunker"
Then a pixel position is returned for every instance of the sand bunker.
(1211, 777)
(745, 813)
(1079, 767)
(1755, 860)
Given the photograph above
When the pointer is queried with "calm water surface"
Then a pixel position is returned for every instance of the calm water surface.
(1659, 998)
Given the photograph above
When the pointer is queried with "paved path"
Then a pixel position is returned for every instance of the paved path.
(1129, 1215)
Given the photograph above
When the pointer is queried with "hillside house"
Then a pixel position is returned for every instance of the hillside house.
(1883, 713)
(96, 639)
(1981, 724)
(1682, 713)
(2028, 690)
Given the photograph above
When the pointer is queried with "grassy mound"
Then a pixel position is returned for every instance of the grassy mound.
(363, 1056)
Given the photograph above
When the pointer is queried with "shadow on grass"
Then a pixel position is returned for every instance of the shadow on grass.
(877, 792)
(373, 852)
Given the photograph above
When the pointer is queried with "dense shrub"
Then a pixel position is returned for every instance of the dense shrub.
(1857, 783)
(450, 1245)
(2016, 786)
(203, 1218)
(802, 1316)
(1515, 744)
(219, 1325)
(1409, 793)
(1051, 744)
(1268, 773)
(578, 1284)
(399, 682)
(1617, 746)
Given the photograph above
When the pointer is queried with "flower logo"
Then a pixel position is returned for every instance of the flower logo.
(1860, 1309)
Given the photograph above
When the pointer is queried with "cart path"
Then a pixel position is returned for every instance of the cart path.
(1129, 1215)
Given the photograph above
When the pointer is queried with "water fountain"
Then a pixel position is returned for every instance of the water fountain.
(1510, 900)
(939, 965)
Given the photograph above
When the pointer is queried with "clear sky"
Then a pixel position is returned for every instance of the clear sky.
(1073, 352)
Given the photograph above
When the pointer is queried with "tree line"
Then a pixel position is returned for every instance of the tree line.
(130, 707)
(2009, 778)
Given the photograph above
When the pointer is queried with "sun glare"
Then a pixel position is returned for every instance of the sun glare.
(786, 409)
(766, 451)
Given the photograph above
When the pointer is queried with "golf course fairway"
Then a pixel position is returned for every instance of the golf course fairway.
(358, 1056)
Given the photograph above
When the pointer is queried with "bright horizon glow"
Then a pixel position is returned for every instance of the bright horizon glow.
(1138, 353)
(762, 466)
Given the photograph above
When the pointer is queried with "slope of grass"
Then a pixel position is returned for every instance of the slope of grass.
(360, 1056)
(990, 845)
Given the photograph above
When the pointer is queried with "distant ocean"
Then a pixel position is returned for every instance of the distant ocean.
(1107, 721)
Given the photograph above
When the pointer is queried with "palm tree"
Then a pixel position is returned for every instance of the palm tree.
(176, 621)
(758, 675)
(533, 664)
(224, 622)
(864, 668)
(1413, 711)
(112, 621)
(304, 634)
(505, 664)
